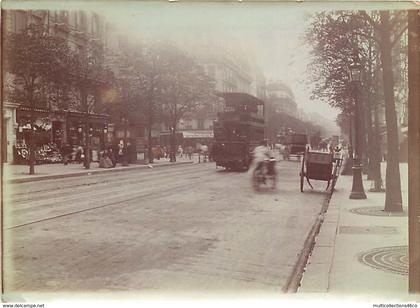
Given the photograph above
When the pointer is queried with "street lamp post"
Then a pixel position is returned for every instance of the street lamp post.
(88, 151)
(348, 163)
(357, 191)
(105, 137)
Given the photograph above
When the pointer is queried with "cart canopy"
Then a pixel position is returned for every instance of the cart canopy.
(323, 158)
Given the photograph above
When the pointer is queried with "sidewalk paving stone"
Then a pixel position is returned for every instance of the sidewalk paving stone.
(316, 278)
(326, 236)
(346, 236)
(322, 255)
(332, 215)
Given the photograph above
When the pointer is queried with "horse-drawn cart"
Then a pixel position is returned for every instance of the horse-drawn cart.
(295, 145)
(322, 166)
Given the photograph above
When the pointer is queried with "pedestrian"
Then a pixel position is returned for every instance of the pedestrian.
(111, 155)
(180, 151)
(79, 154)
(204, 150)
(125, 155)
(158, 152)
(121, 151)
(165, 152)
(323, 145)
(129, 153)
(66, 152)
(105, 161)
(190, 152)
(210, 153)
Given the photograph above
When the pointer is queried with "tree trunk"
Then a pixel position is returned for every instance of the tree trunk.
(370, 150)
(149, 132)
(351, 136)
(172, 153)
(83, 93)
(369, 122)
(370, 141)
(348, 162)
(376, 151)
(393, 199)
(125, 149)
(32, 146)
(363, 134)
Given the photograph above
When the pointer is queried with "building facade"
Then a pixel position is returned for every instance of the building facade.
(54, 124)
(282, 98)
(230, 72)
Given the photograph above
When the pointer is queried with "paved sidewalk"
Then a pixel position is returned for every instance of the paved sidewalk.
(20, 173)
(360, 250)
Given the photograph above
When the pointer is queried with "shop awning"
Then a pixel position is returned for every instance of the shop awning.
(198, 134)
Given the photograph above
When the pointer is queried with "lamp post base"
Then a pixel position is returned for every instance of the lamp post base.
(357, 190)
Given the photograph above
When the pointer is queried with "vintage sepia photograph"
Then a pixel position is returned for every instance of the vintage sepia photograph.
(210, 150)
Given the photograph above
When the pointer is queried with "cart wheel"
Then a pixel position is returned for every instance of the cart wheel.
(335, 176)
(302, 174)
(334, 180)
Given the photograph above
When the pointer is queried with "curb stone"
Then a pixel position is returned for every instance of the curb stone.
(90, 172)
(295, 279)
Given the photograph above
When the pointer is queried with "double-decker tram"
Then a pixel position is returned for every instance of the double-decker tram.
(238, 130)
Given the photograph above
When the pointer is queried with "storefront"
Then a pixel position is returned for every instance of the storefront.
(195, 138)
(75, 131)
(189, 138)
(53, 129)
(8, 136)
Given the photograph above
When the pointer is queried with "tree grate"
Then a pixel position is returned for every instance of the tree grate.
(377, 211)
(389, 259)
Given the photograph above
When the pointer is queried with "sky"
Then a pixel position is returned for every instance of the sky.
(270, 33)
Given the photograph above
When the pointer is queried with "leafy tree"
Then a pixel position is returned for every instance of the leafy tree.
(389, 29)
(140, 80)
(34, 58)
(331, 35)
(87, 75)
(186, 89)
(150, 71)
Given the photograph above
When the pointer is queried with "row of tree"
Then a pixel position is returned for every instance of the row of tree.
(161, 83)
(147, 83)
(378, 39)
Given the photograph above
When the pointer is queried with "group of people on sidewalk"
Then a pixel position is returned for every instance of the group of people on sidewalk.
(72, 154)
(163, 152)
(120, 153)
(201, 149)
(108, 158)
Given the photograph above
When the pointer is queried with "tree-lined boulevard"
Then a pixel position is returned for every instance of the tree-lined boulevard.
(188, 227)
(192, 226)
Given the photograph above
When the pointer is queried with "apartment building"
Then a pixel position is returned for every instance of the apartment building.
(80, 29)
(282, 98)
